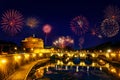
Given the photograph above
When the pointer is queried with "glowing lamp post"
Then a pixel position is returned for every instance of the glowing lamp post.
(46, 29)
(3, 61)
(15, 48)
(109, 50)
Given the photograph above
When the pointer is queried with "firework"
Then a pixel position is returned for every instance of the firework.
(93, 32)
(46, 29)
(112, 12)
(96, 31)
(100, 36)
(62, 42)
(81, 41)
(79, 25)
(109, 27)
(12, 22)
(32, 22)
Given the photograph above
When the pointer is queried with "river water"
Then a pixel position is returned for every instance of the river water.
(74, 70)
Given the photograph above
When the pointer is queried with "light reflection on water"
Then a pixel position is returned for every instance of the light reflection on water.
(81, 71)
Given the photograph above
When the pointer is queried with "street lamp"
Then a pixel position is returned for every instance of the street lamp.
(24, 49)
(15, 48)
(3, 61)
(109, 50)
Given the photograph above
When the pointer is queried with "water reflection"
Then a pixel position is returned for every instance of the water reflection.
(39, 73)
(83, 70)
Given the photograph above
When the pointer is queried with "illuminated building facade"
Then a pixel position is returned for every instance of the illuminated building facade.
(32, 43)
(35, 45)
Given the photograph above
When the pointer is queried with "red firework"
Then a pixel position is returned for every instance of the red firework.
(79, 25)
(46, 29)
(12, 22)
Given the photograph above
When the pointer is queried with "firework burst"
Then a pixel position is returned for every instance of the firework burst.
(79, 25)
(109, 27)
(32, 22)
(96, 31)
(47, 29)
(12, 22)
(62, 42)
(112, 12)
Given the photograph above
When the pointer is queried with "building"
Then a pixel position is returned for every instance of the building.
(31, 43)
(35, 45)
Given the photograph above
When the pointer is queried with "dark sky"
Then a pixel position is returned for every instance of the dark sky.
(58, 14)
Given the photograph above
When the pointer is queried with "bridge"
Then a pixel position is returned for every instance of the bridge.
(109, 55)
(17, 66)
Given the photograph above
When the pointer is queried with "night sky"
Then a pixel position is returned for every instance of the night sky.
(58, 14)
